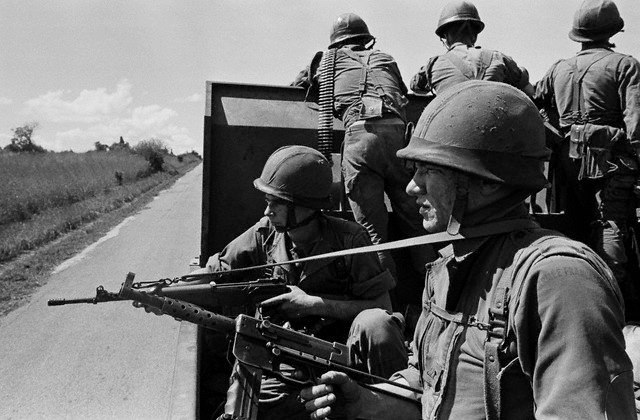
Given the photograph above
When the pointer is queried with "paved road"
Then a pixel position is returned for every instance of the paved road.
(108, 361)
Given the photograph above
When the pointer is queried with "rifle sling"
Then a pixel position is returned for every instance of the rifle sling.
(488, 229)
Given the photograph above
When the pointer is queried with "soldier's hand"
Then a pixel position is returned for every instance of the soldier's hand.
(294, 304)
(336, 395)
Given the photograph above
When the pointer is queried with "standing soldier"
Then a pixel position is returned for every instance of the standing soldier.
(596, 94)
(458, 29)
(369, 99)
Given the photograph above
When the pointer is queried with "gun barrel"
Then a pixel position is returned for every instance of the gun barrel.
(178, 309)
(58, 302)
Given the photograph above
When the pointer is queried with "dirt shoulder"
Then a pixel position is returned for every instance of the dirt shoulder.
(20, 277)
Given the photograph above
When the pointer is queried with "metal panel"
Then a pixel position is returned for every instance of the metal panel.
(243, 125)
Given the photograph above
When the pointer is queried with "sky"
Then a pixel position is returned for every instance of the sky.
(91, 71)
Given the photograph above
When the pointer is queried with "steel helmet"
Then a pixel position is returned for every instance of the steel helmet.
(348, 26)
(297, 174)
(596, 20)
(486, 129)
(459, 11)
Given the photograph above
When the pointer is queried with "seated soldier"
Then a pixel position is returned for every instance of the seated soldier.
(352, 291)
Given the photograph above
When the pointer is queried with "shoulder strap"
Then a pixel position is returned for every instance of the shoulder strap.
(461, 65)
(366, 71)
(496, 338)
(508, 288)
(486, 56)
(576, 81)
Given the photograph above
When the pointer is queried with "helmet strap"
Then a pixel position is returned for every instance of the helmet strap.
(459, 205)
(292, 223)
(370, 44)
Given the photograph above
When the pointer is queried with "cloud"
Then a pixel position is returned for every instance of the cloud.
(196, 97)
(5, 101)
(89, 106)
(69, 123)
(145, 122)
(149, 117)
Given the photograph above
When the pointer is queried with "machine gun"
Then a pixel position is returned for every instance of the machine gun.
(259, 346)
(228, 298)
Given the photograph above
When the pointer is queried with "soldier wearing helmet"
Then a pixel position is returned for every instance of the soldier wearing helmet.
(369, 99)
(350, 295)
(458, 29)
(518, 321)
(596, 97)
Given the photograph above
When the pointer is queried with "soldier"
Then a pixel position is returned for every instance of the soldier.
(596, 95)
(518, 321)
(458, 29)
(351, 291)
(369, 99)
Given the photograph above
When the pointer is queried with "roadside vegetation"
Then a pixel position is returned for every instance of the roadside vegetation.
(46, 197)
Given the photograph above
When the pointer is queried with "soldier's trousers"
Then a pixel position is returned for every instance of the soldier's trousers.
(603, 208)
(370, 169)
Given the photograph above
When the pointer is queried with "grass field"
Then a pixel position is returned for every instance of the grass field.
(48, 196)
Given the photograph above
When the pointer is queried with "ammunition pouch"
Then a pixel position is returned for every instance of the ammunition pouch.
(371, 107)
(601, 149)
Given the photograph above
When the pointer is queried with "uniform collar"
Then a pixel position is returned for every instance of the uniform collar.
(461, 44)
(280, 248)
(593, 50)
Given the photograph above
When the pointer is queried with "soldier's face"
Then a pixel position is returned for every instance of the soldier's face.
(276, 211)
(435, 191)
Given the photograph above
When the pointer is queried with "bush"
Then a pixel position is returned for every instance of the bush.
(154, 151)
(100, 147)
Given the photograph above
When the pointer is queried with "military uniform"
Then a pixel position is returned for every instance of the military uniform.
(607, 99)
(352, 277)
(375, 337)
(373, 134)
(563, 352)
(463, 62)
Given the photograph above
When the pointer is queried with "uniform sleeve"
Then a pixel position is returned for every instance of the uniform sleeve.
(244, 251)
(396, 71)
(370, 279)
(629, 92)
(568, 323)
(544, 95)
(419, 82)
(411, 374)
(302, 79)
(515, 75)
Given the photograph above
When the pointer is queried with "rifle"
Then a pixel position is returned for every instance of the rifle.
(228, 298)
(259, 346)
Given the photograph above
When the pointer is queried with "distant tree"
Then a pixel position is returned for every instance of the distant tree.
(154, 151)
(100, 147)
(22, 140)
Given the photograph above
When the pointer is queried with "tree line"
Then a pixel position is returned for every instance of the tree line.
(153, 150)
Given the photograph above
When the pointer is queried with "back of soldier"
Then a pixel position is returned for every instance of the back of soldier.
(458, 29)
(600, 86)
(382, 79)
